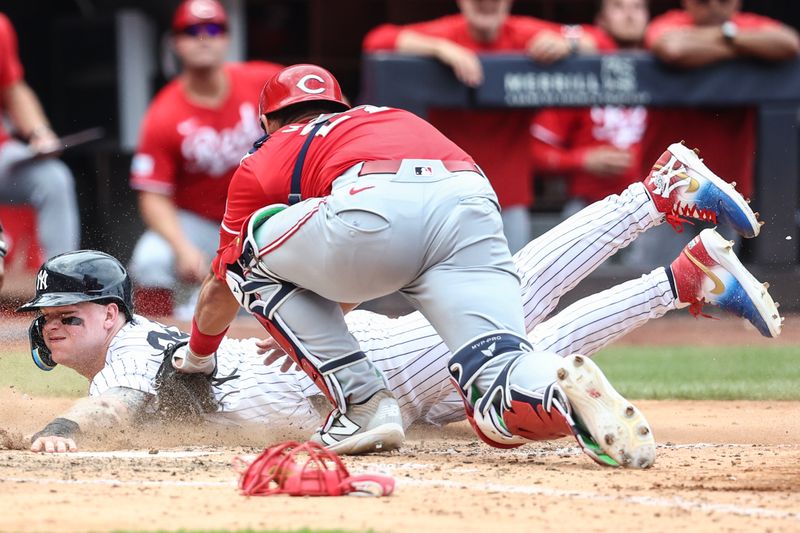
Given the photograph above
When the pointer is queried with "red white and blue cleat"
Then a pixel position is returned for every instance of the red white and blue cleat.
(708, 271)
(682, 187)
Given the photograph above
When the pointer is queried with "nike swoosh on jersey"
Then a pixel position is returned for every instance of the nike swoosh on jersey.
(354, 190)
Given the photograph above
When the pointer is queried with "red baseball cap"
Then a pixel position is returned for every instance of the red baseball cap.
(193, 12)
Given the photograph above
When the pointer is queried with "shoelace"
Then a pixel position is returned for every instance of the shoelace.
(696, 309)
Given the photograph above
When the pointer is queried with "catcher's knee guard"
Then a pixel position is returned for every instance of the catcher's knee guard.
(509, 413)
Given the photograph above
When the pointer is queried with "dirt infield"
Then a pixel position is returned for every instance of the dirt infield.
(721, 466)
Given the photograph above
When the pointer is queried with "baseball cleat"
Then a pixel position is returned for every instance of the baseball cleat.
(610, 429)
(373, 426)
(683, 187)
(708, 271)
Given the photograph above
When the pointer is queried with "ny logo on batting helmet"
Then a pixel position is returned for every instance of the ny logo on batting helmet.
(41, 280)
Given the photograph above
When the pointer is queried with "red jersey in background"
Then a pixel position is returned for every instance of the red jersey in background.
(498, 140)
(10, 66)
(562, 137)
(725, 136)
(190, 152)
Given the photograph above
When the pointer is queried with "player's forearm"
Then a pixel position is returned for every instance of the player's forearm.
(25, 110)
(775, 44)
(549, 159)
(160, 215)
(693, 47)
(215, 310)
(411, 42)
(118, 407)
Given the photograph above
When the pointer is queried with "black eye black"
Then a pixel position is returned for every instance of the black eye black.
(72, 321)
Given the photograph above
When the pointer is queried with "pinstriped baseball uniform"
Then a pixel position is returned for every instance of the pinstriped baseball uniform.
(408, 351)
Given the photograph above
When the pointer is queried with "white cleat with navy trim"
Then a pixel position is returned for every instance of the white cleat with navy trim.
(373, 426)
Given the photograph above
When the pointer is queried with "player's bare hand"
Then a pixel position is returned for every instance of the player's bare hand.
(465, 63)
(54, 445)
(275, 353)
(44, 140)
(191, 264)
(267, 345)
(548, 47)
(607, 161)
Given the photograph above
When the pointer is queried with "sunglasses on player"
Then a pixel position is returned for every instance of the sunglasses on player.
(212, 29)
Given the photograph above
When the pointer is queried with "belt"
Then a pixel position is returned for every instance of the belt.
(392, 166)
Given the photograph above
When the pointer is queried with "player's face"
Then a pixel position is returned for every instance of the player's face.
(75, 332)
(202, 46)
(485, 16)
(711, 12)
(624, 20)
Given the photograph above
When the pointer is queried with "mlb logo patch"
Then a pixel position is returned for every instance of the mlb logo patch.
(423, 171)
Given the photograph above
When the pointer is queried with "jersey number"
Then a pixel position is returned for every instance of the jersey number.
(160, 340)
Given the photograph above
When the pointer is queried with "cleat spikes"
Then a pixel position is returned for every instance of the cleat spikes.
(761, 222)
(562, 374)
(747, 200)
(609, 438)
(696, 151)
(629, 412)
(777, 305)
(757, 214)
(766, 284)
(644, 430)
(733, 184)
(578, 360)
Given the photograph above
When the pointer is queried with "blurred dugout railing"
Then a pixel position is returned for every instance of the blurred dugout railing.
(417, 84)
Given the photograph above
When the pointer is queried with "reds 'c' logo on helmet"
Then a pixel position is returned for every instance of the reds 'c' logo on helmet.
(299, 83)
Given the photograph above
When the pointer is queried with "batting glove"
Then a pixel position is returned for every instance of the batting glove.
(186, 361)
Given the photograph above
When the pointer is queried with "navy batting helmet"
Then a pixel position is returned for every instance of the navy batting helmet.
(71, 278)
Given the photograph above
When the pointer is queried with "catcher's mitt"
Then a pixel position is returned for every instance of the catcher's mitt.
(183, 397)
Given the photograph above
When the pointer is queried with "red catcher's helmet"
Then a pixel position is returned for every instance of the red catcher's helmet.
(193, 12)
(299, 83)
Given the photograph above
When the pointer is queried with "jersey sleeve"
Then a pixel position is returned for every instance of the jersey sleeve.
(384, 37)
(130, 371)
(550, 141)
(10, 66)
(660, 25)
(245, 195)
(752, 21)
(154, 164)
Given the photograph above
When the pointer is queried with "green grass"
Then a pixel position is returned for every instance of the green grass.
(725, 373)
(17, 370)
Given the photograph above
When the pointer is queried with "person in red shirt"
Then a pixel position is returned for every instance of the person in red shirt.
(598, 149)
(26, 176)
(702, 33)
(381, 201)
(495, 138)
(3, 252)
(195, 132)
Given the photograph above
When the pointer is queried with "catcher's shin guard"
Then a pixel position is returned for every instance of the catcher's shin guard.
(322, 374)
(507, 415)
